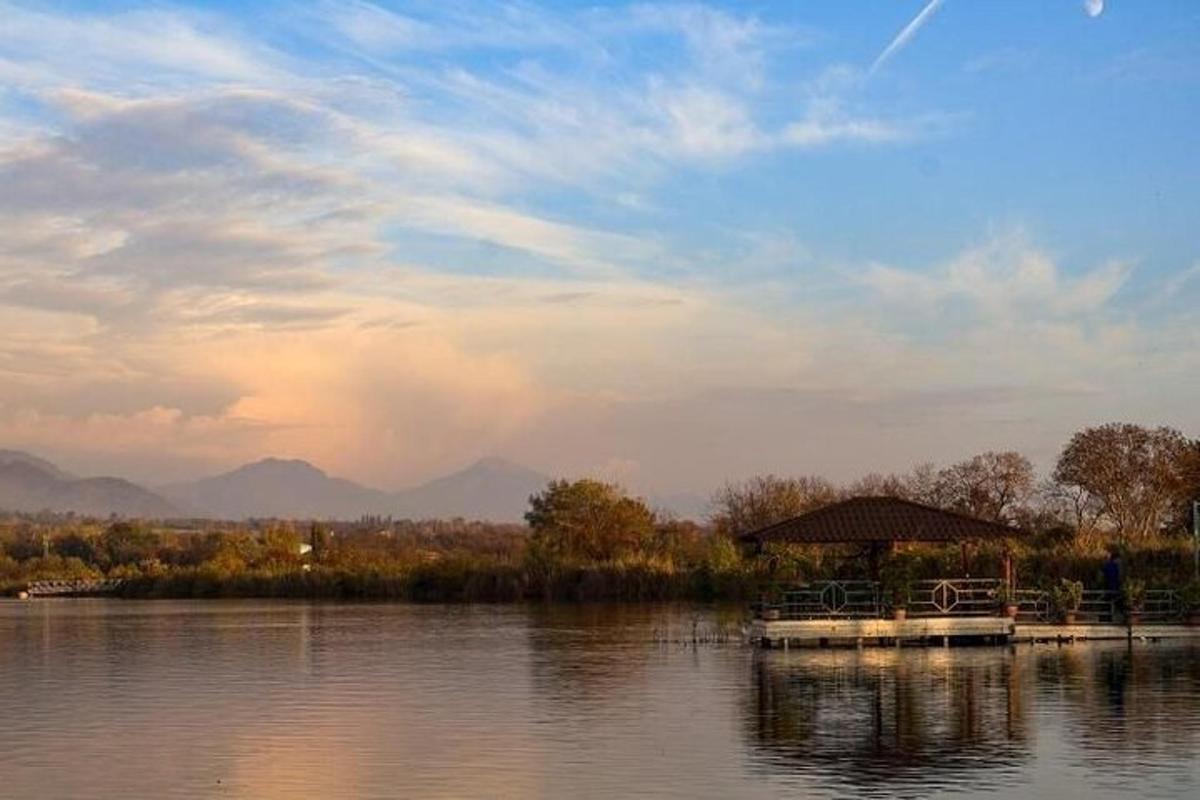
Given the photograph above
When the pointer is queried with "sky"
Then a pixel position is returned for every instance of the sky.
(668, 245)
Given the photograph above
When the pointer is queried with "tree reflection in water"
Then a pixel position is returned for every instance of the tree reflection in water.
(914, 721)
(1128, 709)
(886, 719)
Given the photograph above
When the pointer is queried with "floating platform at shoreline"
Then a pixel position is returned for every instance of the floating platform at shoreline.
(881, 632)
(71, 588)
(946, 631)
(1042, 632)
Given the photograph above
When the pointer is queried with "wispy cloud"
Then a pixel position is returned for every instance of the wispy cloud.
(445, 221)
(907, 33)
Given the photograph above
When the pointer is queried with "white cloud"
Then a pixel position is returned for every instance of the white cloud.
(44, 49)
(1004, 278)
(391, 263)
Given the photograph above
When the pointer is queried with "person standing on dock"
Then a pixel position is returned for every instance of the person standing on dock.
(1112, 572)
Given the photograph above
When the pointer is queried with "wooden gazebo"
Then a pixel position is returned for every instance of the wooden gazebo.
(880, 523)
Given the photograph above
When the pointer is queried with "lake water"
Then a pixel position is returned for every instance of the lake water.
(112, 699)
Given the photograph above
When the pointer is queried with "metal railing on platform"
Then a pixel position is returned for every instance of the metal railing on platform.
(944, 597)
(954, 597)
(958, 597)
(827, 600)
(1101, 607)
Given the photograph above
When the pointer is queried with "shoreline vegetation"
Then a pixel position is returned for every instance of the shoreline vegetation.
(1115, 487)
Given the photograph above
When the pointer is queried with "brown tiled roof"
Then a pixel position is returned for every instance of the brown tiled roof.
(879, 519)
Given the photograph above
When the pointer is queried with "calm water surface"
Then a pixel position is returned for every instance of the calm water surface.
(112, 699)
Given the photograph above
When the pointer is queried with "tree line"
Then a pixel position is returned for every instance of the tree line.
(1123, 481)
(1112, 485)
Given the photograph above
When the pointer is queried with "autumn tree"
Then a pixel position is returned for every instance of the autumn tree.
(1180, 517)
(919, 484)
(767, 499)
(128, 543)
(875, 484)
(280, 547)
(991, 485)
(588, 519)
(1137, 476)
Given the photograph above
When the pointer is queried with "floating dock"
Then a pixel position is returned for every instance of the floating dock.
(72, 588)
(946, 631)
(881, 632)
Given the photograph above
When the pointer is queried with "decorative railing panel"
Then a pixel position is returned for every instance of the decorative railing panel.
(1162, 605)
(829, 600)
(1033, 605)
(954, 597)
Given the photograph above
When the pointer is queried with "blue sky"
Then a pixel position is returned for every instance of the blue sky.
(669, 244)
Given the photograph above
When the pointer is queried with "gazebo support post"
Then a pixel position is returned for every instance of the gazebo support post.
(873, 558)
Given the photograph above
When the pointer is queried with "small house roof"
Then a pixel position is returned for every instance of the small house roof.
(879, 519)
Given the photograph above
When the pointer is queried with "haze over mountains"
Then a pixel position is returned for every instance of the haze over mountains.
(491, 489)
(28, 483)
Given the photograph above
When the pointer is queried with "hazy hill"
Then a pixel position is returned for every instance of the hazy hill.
(18, 457)
(30, 484)
(276, 487)
(492, 489)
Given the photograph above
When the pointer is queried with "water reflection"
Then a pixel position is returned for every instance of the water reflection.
(885, 719)
(910, 722)
(1128, 711)
(292, 700)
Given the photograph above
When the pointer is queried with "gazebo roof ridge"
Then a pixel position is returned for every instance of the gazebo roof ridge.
(880, 518)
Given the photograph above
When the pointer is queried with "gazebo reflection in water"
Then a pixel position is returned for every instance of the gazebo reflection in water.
(886, 718)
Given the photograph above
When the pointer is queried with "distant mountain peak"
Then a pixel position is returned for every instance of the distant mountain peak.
(278, 487)
(497, 464)
(29, 483)
(283, 466)
(492, 488)
(8, 457)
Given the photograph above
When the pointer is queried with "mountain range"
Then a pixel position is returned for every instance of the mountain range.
(28, 483)
(491, 489)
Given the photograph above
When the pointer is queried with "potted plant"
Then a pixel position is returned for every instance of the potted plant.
(1006, 599)
(901, 595)
(771, 601)
(1189, 598)
(1066, 597)
(1133, 595)
(897, 586)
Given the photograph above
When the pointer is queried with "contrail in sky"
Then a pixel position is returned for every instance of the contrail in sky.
(906, 35)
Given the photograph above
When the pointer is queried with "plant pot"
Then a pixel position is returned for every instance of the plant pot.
(1134, 618)
(770, 613)
(1069, 617)
(1010, 610)
(899, 614)
(1193, 618)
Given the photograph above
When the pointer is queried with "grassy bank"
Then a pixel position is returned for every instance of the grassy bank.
(699, 566)
(451, 581)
